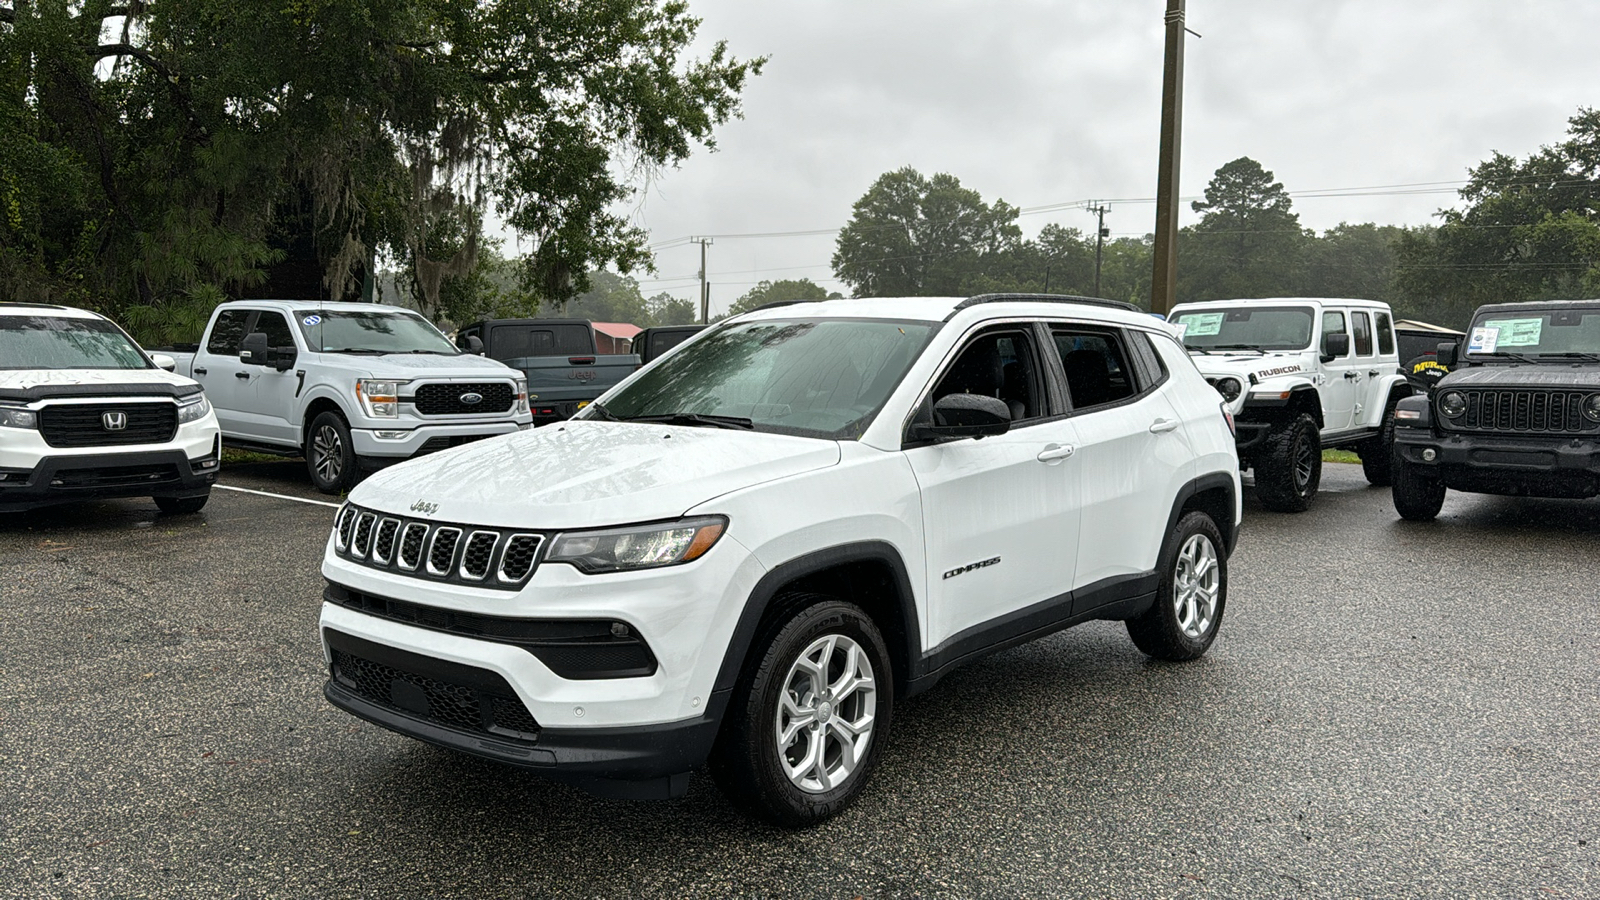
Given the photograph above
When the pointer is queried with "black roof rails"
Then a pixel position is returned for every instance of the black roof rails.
(1042, 298)
(777, 303)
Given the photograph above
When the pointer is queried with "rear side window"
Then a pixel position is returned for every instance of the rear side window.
(1097, 368)
(518, 341)
(1385, 334)
(1362, 330)
(228, 332)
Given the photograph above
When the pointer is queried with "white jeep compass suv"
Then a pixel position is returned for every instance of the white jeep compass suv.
(748, 551)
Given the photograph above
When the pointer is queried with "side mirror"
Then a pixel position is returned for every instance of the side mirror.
(1447, 354)
(966, 415)
(282, 358)
(254, 349)
(474, 344)
(164, 361)
(1335, 346)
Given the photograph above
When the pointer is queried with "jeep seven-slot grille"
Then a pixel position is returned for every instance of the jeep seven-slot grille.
(107, 424)
(453, 399)
(1528, 411)
(438, 551)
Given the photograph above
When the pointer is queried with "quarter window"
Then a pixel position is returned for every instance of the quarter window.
(1385, 334)
(1096, 367)
(1152, 370)
(1362, 329)
(228, 332)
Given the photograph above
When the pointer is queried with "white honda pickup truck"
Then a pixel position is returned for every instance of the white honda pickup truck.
(86, 415)
(750, 550)
(349, 386)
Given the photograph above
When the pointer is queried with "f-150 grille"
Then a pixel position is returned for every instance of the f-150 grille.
(107, 424)
(454, 399)
(1527, 411)
(437, 551)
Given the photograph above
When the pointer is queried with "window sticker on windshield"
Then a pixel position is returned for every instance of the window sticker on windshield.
(1483, 340)
(1517, 332)
(1202, 324)
(312, 320)
(1183, 329)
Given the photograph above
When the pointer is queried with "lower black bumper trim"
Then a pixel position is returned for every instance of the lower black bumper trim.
(103, 476)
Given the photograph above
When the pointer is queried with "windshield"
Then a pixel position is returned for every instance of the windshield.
(1255, 328)
(809, 377)
(1535, 332)
(377, 331)
(55, 342)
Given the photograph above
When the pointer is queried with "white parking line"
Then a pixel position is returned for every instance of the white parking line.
(229, 487)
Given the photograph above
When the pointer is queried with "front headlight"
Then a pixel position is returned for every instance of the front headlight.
(193, 410)
(1591, 407)
(380, 398)
(1229, 388)
(1452, 405)
(638, 546)
(12, 417)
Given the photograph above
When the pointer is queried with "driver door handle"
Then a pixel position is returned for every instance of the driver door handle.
(243, 375)
(1161, 426)
(1055, 452)
(199, 371)
(1352, 376)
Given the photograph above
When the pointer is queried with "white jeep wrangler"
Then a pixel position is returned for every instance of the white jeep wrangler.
(748, 551)
(1300, 375)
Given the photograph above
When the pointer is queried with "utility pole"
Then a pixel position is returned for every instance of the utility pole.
(1099, 242)
(1164, 283)
(705, 287)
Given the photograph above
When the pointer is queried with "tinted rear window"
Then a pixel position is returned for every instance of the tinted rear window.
(518, 341)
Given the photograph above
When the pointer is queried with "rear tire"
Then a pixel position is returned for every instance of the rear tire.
(181, 506)
(1289, 466)
(330, 456)
(1377, 453)
(1418, 496)
(1192, 595)
(807, 723)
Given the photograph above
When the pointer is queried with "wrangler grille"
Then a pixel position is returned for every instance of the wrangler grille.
(484, 557)
(1536, 412)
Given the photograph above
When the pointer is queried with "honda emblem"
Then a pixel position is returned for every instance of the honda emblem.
(114, 421)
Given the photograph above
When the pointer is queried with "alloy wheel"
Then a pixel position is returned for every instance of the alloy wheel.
(826, 713)
(1196, 584)
(328, 454)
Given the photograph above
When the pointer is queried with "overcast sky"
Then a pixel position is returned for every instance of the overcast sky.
(1043, 102)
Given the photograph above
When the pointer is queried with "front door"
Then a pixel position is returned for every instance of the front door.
(1342, 377)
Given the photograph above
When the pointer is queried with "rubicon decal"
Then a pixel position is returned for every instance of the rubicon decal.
(968, 568)
(1281, 370)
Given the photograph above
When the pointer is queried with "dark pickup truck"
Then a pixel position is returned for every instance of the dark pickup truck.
(652, 342)
(564, 372)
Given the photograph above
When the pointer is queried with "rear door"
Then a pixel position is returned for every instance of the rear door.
(1000, 513)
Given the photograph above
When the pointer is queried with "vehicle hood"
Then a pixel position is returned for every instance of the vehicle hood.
(1564, 376)
(417, 365)
(38, 384)
(582, 474)
(1245, 365)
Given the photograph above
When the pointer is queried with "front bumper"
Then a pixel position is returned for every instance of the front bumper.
(408, 442)
(99, 476)
(1505, 464)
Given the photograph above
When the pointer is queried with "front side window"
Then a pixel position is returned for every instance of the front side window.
(377, 331)
(276, 328)
(824, 378)
(55, 342)
(1362, 333)
(1251, 328)
(1096, 367)
(1333, 323)
(1000, 364)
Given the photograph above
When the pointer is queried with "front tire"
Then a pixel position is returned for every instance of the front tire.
(1289, 466)
(1377, 454)
(182, 506)
(1192, 595)
(1418, 496)
(330, 456)
(807, 724)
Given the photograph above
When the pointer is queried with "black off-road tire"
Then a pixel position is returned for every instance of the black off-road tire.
(1418, 495)
(330, 456)
(745, 761)
(1162, 632)
(181, 506)
(1289, 465)
(1377, 452)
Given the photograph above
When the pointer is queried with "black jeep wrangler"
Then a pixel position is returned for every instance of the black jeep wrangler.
(1518, 414)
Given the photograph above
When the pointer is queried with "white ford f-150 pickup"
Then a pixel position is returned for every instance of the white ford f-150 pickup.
(86, 415)
(347, 385)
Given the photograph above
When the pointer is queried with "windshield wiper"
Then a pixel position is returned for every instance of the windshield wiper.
(684, 418)
(433, 352)
(358, 350)
(1236, 347)
(1511, 357)
(1572, 354)
(601, 413)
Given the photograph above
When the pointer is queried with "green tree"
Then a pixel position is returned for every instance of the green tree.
(665, 309)
(915, 236)
(776, 291)
(1248, 242)
(1351, 261)
(610, 298)
(157, 153)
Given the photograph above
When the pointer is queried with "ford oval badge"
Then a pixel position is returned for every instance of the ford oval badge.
(471, 399)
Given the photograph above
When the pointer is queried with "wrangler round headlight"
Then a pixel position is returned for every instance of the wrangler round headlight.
(1453, 404)
(1229, 388)
(1591, 407)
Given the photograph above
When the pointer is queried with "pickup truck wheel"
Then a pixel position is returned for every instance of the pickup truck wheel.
(1193, 592)
(1377, 453)
(1418, 495)
(1289, 465)
(179, 506)
(807, 723)
(330, 457)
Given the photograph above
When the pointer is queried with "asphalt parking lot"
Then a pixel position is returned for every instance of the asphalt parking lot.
(1391, 710)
